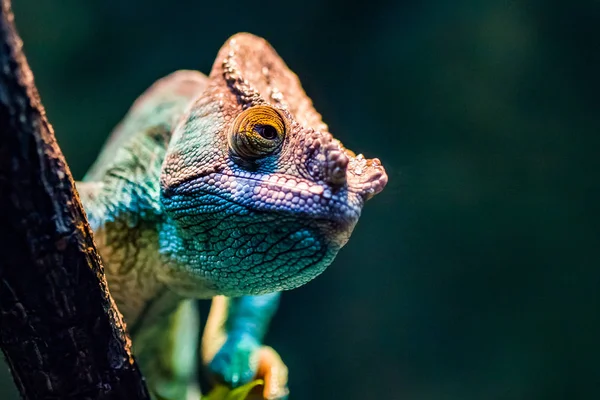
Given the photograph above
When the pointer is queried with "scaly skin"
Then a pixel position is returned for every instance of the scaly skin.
(227, 185)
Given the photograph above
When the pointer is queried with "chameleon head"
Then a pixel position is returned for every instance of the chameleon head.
(260, 193)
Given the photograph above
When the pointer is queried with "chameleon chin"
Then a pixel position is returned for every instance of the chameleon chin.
(230, 185)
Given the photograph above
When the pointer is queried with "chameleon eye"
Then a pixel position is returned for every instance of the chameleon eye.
(256, 132)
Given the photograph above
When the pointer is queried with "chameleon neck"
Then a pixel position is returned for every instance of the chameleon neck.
(134, 237)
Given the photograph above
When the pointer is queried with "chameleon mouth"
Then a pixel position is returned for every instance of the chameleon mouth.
(275, 193)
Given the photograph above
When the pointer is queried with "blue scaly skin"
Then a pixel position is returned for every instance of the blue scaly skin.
(226, 187)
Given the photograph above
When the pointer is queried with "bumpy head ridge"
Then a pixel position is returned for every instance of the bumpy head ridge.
(261, 194)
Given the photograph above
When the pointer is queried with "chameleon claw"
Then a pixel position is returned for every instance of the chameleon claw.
(235, 379)
(274, 373)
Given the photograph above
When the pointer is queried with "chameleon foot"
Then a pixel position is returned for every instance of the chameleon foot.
(242, 359)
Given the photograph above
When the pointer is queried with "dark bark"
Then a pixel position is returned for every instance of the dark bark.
(59, 328)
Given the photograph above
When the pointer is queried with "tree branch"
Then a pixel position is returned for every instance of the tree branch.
(60, 331)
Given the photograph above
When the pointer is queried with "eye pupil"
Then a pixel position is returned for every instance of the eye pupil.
(266, 131)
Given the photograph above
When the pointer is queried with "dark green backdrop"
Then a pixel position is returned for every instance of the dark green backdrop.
(474, 275)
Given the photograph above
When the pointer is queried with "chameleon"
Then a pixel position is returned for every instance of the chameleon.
(226, 187)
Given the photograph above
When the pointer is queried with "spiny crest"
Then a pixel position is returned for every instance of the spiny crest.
(253, 72)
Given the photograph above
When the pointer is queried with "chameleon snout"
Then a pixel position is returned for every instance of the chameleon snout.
(337, 167)
(367, 176)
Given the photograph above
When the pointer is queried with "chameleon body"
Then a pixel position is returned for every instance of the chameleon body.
(227, 187)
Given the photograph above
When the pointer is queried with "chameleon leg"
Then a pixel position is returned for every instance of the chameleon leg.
(167, 354)
(232, 343)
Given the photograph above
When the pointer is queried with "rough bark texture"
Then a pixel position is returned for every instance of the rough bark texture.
(59, 328)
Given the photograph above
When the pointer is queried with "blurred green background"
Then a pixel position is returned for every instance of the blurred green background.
(475, 274)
